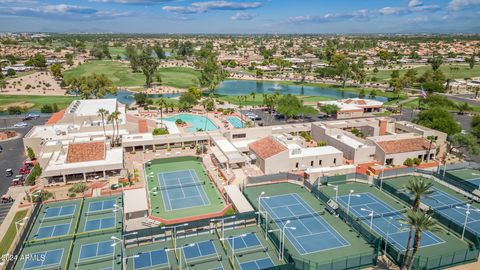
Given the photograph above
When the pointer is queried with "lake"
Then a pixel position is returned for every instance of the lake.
(126, 97)
(245, 87)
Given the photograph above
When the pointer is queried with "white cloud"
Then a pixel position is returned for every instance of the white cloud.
(202, 7)
(63, 11)
(415, 3)
(243, 16)
(460, 4)
(132, 2)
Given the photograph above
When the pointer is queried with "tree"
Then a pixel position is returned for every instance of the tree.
(290, 106)
(56, 70)
(471, 61)
(196, 92)
(436, 61)
(11, 72)
(38, 61)
(100, 51)
(187, 100)
(475, 130)
(162, 102)
(463, 107)
(113, 117)
(94, 85)
(420, 221)
(3, 84)
(330, 109)
(140, 98)
(148, 65)
(158, 49)
(132, 55)
(211, 73)
(253, 95)
(342, 67)
(30, 153)
(103, 113)
(208, 104)
(466, 142)
(439, 119)
(373, 94)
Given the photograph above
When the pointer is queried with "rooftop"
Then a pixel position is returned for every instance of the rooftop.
(90, 107)
(404, 145)
(87, 151)
(267, 147)
(314, 151)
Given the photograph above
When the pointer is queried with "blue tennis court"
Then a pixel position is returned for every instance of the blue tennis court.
(312, 234)
(200, 252)
(247, 242)
(53, 230)
(44, 259)
(95, 250)
(100, 206)
(182, 189)
(99, 224)
(257, 264)
(386, 220)
(151, 259)
(60, 211)
(445, 204)
(476, 181)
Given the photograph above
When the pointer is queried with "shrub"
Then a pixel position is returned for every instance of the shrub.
(179, 122)
(408, 162)
(322, 143)
(417, 161)
(34, 173)
(160, 131)
(229, 212)
(78, 188)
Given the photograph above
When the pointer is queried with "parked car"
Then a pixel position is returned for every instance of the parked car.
(20, 176)
(28, 164)
(8, 172)
(1, 149)
(24, 170)
(20, 124)
(6, 199)
(31, 116)
(17, 182)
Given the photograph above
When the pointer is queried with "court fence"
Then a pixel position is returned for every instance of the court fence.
(19, 243)
(456, 181)
(263, 179)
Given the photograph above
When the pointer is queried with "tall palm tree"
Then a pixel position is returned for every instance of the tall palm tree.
(103, 113)
(431, 139)
(162, 103)
(422, 222)
(114, 117)
(417, 188)
(253, 94)
(111, 120)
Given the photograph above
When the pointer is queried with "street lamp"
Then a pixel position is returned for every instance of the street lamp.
(223, 223)
(383, 170)
(19, 223)
(388, 233)
(335, 187)
(233, 242)
(350, 194)
(467, 213)
(279, 247)
(283, 236)
(259, 197)
(371, 216)
(174, 233)
(180, 249)
(129, 257)
(153, 191)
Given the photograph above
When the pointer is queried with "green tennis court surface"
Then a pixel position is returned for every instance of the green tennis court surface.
(180, 187)
(470, 175)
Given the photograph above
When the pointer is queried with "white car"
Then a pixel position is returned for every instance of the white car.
(20, 124)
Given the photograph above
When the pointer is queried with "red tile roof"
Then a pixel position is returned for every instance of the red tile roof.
(404, 145)
(56, 117)
(267, 147)
(81, 152)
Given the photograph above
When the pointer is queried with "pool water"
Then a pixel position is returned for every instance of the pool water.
(195, 122)
(235, 121)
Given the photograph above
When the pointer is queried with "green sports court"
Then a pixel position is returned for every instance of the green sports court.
(180, 187)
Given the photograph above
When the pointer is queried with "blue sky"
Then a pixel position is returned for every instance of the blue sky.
(241, 16)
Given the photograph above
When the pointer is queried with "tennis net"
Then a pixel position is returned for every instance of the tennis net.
(182, 186)
(308, 215)
(386, 214)
(447, 206)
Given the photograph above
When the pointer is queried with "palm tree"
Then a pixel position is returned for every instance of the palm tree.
(253, 94)
(431, 139)
(103, 113)
(3, 84)
(110, 119)
(418, 188)
(162, 102)
(421, 221)
(114, 117)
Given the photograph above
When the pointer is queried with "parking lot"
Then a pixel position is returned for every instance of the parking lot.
(266, 119)
(13, 154)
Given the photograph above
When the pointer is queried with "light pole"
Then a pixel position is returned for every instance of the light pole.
(260, 197)
(180, 249)
(117, 209)
(19, 223)
(388, 234)
(371, 216)
(174, 233)
(335, 187)
(283, 236)
(350, 194)
(233, 242)
(280, 246)
(383, 170)
(129, 257)
(223, 223)
(153, 191)
(467, 213)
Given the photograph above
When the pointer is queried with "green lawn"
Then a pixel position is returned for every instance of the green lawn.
(11, 232)
(38, 101)
(122, 76)
(259, 99)
(463, 72)
(413, 104)
(114, 51)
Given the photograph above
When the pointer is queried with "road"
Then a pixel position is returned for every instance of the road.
(468, 98)
(13, 155)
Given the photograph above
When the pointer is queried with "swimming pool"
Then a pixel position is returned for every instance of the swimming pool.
(235, 121)
(195, 122)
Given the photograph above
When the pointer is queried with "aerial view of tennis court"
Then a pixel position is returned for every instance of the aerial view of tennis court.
(311, 233)
(466, 174)
(180, 187)
(383, 213)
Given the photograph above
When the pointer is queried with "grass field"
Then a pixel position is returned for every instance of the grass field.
(11, 232)
(259, 99)
(122, 76)
(176, 164)
(413, 104)
(450, 71)
(358, 246)
(37, 101)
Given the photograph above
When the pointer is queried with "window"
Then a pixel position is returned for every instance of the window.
(335, 161)
(320, 162)
(296, 165)
(239, 136)
(311, 163)
(389, 161)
